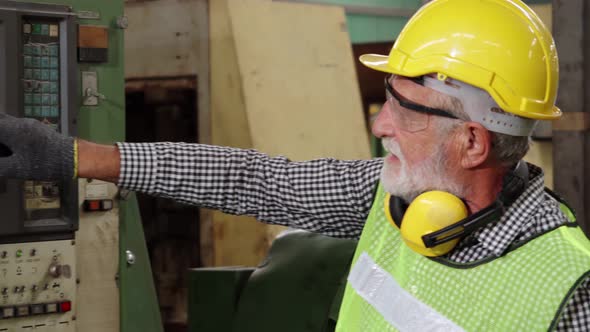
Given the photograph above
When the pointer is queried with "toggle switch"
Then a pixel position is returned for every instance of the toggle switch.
(90, 94)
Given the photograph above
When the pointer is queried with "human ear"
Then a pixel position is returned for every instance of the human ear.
(476, 145)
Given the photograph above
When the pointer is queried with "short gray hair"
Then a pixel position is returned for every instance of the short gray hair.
(508, 149)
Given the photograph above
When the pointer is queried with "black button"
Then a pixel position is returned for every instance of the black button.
(37, 309)
(22, 311)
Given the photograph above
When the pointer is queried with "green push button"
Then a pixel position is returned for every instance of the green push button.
(37, 29)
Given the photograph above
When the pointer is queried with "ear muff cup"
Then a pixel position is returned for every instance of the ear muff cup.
(429, 212)
(394, 210)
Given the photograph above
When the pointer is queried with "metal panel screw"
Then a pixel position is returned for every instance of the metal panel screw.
(130, 257)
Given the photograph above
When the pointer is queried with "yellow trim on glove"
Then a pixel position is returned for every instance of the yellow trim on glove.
(75, 159)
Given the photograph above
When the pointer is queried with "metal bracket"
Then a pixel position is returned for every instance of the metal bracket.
(90, 94)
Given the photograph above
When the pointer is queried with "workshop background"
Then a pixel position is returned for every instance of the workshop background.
(262, 74)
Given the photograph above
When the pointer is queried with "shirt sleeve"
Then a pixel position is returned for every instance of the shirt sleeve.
(576, 315)
(328, 196)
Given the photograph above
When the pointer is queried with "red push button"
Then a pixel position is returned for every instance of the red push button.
(91, 205)
(98, 205)
(65, 306)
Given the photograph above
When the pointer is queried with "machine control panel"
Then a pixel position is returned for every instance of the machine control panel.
(37, 286)
(38, 81)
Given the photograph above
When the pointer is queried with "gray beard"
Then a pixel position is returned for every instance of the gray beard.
(431, 174)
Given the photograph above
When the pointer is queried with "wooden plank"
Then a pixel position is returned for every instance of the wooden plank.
(541, 154)
(206, 242)
(299, 81)
(228, 118)
(225, 239)
(573, 121)
(283, 81)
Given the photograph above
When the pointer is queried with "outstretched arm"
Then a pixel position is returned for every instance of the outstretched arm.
(97, 161)
(328, 196)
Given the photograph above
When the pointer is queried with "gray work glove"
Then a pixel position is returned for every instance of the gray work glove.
(31, 150)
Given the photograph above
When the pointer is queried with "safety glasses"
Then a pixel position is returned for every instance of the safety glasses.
(410, 116)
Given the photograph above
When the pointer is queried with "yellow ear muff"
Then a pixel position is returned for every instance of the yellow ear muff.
(430, 212)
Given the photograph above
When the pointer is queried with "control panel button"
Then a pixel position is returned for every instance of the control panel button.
(65, 306)
(37, 309)
(51, 308)
(8, 312)
(19, 253)
(22, 310)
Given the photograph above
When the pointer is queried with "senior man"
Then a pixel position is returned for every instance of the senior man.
(456, 231)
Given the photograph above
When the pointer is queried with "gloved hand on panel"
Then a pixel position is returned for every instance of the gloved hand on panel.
(32, 150)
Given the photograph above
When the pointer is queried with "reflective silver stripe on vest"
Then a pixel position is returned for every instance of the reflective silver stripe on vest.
(396, 305)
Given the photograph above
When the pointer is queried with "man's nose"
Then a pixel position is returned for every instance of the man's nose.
(383, 124)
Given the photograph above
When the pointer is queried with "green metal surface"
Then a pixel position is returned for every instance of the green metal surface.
(213, 297)
(370, 29)
(298, 287)
(139, 307)
(105, 123)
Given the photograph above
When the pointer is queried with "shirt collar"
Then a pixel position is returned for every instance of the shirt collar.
(498, 236)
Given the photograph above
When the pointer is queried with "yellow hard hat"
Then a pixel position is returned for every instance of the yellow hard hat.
(500, 46)
(428, 213)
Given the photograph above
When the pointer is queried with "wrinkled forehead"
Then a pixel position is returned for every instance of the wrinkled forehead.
(417, 93)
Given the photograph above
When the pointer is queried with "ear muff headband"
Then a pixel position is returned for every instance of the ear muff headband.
(464, 226)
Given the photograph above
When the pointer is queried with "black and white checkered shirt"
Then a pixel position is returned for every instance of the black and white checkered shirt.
(328, 196)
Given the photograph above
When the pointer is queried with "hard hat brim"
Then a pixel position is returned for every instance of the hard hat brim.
(377, 62)
(381, 63)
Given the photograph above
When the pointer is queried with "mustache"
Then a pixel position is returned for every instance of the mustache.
(391, 146)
